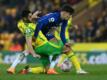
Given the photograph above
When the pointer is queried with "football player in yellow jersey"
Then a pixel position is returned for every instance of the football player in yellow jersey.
(26, 26)
(27, 31)
(71, 54)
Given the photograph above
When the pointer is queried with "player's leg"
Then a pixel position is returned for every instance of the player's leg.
(74, 60)
(54, 62)
(56, 52)
(62, 57)
(44, 60)
(72, 57)
(41, 69)
(49, 48)
(52, 65)
(35, 70)
(18, 59)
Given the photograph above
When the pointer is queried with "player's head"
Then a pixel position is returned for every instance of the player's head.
(29, 16)
(66, 11)
(26, 15)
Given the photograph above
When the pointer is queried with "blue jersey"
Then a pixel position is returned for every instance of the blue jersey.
(48, 21)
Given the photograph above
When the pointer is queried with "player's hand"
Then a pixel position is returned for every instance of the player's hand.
(66, 48)
(35, 14)
(59, 65)
(68, 44)
(36, 55)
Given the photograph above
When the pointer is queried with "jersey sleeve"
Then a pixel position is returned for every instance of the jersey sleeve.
(69, 24)
(62, 32)
(38, 28)
(29, 32)
(26, 29)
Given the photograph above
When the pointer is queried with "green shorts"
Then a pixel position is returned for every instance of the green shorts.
(44, 60)
(50, 48)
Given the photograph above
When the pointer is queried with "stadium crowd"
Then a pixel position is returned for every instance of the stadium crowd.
(94, 30)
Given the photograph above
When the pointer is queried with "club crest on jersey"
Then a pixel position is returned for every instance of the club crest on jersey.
(52, 19)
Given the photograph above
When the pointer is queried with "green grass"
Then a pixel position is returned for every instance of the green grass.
(96, 72)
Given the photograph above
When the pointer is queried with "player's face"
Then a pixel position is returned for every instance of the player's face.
(66, 15)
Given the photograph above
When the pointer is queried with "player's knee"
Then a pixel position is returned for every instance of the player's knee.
(21, 56)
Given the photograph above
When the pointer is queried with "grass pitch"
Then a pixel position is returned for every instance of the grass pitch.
(96, 72)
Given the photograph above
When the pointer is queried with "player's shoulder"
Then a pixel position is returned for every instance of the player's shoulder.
(20, 22)
(70, 21)
(54, 14)
(49, 15)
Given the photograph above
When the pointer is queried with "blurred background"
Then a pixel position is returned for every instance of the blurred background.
(90, 39)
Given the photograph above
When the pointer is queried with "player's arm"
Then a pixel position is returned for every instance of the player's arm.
(39, 26)
(62, 32)
(29, 43)
(63, 37)
(35, 15)
(30, 48)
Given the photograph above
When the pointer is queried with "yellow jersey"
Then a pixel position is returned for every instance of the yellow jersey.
(27, 29)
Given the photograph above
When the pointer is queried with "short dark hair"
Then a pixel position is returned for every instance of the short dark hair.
(67, 8)
(25, 13)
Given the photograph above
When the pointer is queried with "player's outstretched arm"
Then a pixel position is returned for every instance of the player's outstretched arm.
(30, 48)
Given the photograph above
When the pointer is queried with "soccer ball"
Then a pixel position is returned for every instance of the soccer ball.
(66, 66)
